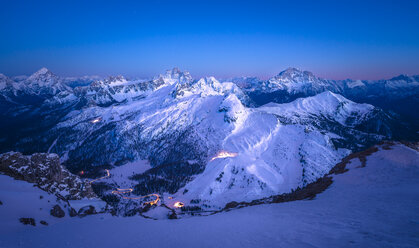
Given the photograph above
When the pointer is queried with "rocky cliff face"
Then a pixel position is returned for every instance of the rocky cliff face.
(45, 171)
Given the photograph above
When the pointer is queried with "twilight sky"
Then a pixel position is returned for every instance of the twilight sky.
(333, 39)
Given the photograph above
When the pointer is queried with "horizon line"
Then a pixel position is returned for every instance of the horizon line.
(128, 76)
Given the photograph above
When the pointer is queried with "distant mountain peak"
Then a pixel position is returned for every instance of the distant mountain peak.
(4, 81)
(176, 75)
(115, 79)
(174, 70)
(402, 77)
(290, 69)
(42, 74)
(294, 72)
(2, 76)
(43, 70)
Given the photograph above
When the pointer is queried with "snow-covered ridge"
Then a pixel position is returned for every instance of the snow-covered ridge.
(284, 87)
(178, 122)
(324, 104)
(180, 125)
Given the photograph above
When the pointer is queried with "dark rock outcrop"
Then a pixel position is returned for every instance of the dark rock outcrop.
(87, 210)
(27, 221)
(45, 170)
(72, 212)
(43, 222)
(172, 215)
(57, 211)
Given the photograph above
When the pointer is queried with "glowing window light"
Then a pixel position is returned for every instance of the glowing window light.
(178, 204)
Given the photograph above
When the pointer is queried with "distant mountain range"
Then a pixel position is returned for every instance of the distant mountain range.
(394, 94)
(207, 141)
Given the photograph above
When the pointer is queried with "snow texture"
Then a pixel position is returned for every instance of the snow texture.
(372, 206)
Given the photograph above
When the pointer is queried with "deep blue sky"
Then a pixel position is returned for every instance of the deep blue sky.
(333, 39)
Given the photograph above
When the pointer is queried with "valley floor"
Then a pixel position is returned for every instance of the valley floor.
(373, 206)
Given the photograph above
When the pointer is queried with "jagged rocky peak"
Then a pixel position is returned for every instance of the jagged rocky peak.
(42, 74)
(175, 75)
(204, 86)
(4, 80)
(115, 80)
(46, 172)
(44, 82)
(207, 84)
(210, 81)
(6, 83)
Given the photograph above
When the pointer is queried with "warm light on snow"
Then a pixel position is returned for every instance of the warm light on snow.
(100, 178)
(95, 120)
(178, 204)
(122, 191)
(126, 191)
(129, 190)
(225, 154)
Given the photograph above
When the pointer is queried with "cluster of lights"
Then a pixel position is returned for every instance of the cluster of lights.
(126, 191)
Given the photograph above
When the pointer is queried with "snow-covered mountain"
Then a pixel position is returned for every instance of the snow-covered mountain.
(396, 94)
(180, 126)
(293, 83)
(44, 82)
(30, 91)
(280, 147)
(204, 139)
(8, 91)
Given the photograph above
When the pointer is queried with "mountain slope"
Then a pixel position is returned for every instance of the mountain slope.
(201, 137)
(381, 198)
(281, 147)
(395, 95)
(180, 127)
